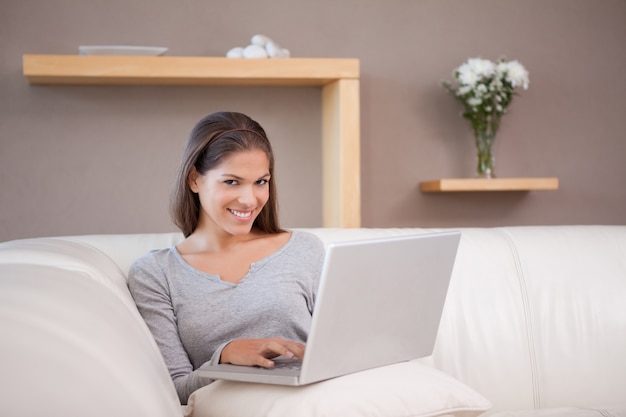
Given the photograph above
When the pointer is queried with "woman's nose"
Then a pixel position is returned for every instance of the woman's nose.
(247, 196)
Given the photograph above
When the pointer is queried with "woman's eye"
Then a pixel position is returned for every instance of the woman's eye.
(230, 182)
(262, 182)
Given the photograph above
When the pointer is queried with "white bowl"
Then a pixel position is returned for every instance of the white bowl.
(120, 50)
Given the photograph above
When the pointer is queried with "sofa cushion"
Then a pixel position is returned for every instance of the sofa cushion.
(401, 390)
(541, 308)
(573, 280)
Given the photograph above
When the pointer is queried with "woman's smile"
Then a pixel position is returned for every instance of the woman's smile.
(244, 215)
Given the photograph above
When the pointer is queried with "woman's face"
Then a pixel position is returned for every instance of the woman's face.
(233, 194)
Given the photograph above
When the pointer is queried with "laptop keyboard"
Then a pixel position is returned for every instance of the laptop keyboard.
(281, 363)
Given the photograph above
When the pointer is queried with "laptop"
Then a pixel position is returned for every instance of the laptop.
(379, 302)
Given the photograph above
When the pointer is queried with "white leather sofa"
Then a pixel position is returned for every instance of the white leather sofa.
(534, 324)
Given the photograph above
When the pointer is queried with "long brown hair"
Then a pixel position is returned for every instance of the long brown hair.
(212, 139)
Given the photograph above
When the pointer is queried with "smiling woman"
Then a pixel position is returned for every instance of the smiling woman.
(201, 298)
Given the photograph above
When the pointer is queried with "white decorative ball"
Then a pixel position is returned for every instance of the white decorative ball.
(273, 50)
(254, 51)
(236, 52)
(260, 40)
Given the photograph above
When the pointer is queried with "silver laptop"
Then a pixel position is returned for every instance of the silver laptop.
(379, 302)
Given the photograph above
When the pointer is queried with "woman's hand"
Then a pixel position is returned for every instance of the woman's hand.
(259, 352)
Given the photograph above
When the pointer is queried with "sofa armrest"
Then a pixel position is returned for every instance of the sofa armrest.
(70, 347)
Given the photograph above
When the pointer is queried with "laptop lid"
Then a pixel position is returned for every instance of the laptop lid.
(379, 302)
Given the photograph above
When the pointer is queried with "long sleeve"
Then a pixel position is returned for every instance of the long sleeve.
(151, 295)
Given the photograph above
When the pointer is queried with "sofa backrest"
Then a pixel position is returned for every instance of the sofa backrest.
(536, 316)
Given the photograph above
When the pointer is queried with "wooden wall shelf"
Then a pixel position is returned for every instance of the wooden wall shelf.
(178, 70)
(338, 78)
(491, 184)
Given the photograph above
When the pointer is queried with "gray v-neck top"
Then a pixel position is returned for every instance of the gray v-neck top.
(193, 315)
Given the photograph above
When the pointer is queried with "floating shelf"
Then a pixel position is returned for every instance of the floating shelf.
(489, 184)
(178, 70)
(337, 77)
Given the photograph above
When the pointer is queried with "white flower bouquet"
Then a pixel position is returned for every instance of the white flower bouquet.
(485, 89)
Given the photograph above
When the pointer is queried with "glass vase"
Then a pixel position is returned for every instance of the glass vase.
(484, 148)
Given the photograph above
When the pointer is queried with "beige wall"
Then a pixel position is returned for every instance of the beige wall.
(101, 159)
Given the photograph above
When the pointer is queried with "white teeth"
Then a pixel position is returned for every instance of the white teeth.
(241, 214)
